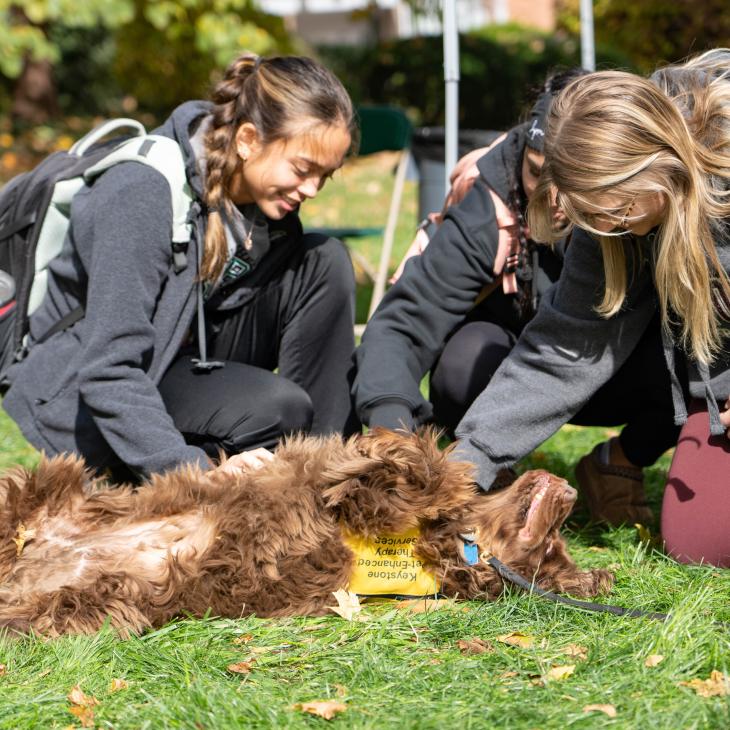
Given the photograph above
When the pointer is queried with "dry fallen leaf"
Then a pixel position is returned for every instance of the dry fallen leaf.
(84, 714)
(341, 690)
(597, 549)
(576, 651)
(653, 659)
(561, 672)
(609, 710)
(243, 639)
(241, 667)
(716, 686)
(77, 697)
(507, 675)
(117, 685)
(21, 537)
(475, 645)
(348, 604)
(321, 708)
(3, 670)
(517, 638)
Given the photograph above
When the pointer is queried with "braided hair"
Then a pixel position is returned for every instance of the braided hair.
(524, 262)
(283, 97)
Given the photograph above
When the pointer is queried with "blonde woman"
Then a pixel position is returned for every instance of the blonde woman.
(641, 168)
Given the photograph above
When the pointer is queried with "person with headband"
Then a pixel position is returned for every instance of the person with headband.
(172, 366)
(641, 169)
(459, 308)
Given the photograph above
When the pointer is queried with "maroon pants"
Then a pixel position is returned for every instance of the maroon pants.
(696, 507)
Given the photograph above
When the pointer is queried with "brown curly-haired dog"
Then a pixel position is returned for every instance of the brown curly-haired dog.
(267, 542)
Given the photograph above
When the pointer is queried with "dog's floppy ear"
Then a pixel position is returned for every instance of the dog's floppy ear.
(389, 480)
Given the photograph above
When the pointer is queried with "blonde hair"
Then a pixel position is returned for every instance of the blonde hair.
(616, 133)
(282, 97)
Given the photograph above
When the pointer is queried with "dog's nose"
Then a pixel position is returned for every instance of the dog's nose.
(569, 494)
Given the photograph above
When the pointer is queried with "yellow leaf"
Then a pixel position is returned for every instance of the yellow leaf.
(609, 710)
(21, 537)
(241, 667)
(116, 685)
(716, 685)
(507, 675)
(242, 639)
(341, 690)
(6, 140)
(475, 645)
(576, 651)
(597, 549)
(84, 714)
(77, 697)
(561, 672)
(517, 638)
(348, 604)
(653, 659)
(321, 708)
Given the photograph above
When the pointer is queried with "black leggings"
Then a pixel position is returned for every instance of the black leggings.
(299, 321)
(638, 395)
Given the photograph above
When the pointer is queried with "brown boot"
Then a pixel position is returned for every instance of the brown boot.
(614, 494)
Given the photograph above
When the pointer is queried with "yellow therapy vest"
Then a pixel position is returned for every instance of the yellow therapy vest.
(386, 566)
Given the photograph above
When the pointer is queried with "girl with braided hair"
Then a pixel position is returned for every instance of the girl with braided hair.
(459, 308)
(641, 169)
(172, 364)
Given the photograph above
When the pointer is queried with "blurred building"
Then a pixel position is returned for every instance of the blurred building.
(329, 22)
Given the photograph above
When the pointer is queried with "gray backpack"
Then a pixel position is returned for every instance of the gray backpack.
(35, 209)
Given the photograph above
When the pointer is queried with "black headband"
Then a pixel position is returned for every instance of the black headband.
(538, 122)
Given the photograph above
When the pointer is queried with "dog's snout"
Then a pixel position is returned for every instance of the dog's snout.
(569, 494)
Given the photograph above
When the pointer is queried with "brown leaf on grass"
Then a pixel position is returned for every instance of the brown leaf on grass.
(348, 604)
(653, 659)
(21, 537)
(475, 645)
(341, 690)
(242, 639)
(717, 685)
(507, 675)
(609, 710)
(77, 697)
(241, 667)
(517, 638)
(3, 670)
(117, 685)
(560, 672)
(84, 714)
(576, 651)
(321, 708)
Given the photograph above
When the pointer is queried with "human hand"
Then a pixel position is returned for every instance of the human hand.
(246, 461)
(417, 247)
(725, 417)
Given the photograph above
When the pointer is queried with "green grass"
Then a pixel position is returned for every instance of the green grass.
(398, 669)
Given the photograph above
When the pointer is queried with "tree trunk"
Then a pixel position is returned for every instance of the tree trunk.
(34, 99)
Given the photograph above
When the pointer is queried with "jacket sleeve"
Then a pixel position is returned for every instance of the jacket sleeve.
(129, 222)
(433, 295)
(562, 357)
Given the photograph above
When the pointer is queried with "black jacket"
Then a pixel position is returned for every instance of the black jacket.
(436, 292)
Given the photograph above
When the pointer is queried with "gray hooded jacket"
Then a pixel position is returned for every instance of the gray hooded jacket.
(93, 387)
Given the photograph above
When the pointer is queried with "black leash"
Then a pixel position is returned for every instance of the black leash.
(508, 574)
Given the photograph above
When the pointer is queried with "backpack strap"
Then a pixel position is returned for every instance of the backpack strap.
(165, 156)
(82, 146)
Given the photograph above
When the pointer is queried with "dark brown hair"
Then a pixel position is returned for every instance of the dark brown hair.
(282, 96)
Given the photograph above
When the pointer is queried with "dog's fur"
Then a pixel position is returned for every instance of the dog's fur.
(265, 542)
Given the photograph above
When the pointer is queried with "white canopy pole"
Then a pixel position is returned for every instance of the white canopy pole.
(451, 81)
(587, 46)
